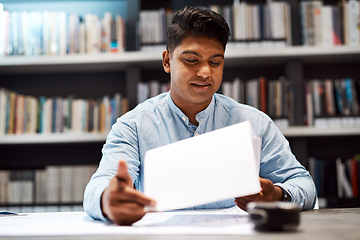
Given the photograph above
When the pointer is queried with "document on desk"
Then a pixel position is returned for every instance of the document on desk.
(229, 221)
(211, 167)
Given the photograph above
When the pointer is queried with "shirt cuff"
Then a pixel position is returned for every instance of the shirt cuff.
(92, 199)
(287, 197)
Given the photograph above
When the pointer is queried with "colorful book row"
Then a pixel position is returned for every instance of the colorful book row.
(269, 25)
(331, 98)
(247, 21)
(336, 178)
(59, 33)
(330, 25)
(273, 97)
(21, 114)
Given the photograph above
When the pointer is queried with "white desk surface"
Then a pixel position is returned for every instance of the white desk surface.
(315, 224)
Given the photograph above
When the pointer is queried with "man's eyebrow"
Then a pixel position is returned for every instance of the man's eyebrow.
(190, 52)
(218, 55)
(197, 54)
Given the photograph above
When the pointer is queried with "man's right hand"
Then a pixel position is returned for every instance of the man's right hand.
(122, 203)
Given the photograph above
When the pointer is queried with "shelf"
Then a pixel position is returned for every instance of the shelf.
(78, 62)
(52, 138)
(95, 137)
(305, 54)
(121, 61)
(303, 131)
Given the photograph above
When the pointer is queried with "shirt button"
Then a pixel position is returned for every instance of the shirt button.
(184, 118)
(196, 134)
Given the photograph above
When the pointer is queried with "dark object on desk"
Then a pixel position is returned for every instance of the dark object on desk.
(8, 213)
(274, 216)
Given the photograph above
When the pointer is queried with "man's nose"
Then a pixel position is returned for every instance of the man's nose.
(204, 71)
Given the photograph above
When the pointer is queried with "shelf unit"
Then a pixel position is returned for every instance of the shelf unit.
(96, 74)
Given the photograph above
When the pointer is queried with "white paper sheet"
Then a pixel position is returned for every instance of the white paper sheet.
(231, 221)
(214, 166)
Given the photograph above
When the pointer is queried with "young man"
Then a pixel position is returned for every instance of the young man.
(194, 58)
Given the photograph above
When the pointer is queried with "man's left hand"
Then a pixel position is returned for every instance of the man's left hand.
(269, 193)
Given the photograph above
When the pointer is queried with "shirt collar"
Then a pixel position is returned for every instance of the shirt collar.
(207, 111)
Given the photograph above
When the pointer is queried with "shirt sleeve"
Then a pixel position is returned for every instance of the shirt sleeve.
(121, 144)
(279, 165)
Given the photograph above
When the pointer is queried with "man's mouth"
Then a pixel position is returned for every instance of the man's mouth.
(201, 84)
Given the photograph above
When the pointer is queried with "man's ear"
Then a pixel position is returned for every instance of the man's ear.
(166, 61)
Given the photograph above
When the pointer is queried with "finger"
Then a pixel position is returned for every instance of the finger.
(130, 194)
(253, 197)
(122, 173)
(266, 184)
(241, 203)
(124, 186)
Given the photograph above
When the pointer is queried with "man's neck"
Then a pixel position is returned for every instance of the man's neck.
(191, 110)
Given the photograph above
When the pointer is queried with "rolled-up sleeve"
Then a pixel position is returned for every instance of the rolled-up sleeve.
(121, 144)
(279, 165)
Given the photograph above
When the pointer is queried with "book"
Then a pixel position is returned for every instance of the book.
(337, 29)
(4, 30)
(354, 176)
(238, 91)
(40, 186)
(227, 88)
(263, 96)
(317, 13)
(351, 14)
(344, 186)
(329, 97)
(73, 33)
(326, 26)
(120, 33)
(4, 186)
(3, 110)
(307, 23)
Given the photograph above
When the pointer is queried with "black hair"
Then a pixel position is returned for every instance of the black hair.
(196, 21)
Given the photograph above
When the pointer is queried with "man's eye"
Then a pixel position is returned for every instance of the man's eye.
(214, 63)
(190, 60)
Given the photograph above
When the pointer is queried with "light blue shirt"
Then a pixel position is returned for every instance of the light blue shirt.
(158, 121)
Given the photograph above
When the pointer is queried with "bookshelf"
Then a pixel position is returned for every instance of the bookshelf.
(83, 75)
(98, 74)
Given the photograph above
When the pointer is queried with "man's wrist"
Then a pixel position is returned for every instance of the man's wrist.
(285, 195)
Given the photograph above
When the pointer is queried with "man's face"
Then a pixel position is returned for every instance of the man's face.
(196, 69)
